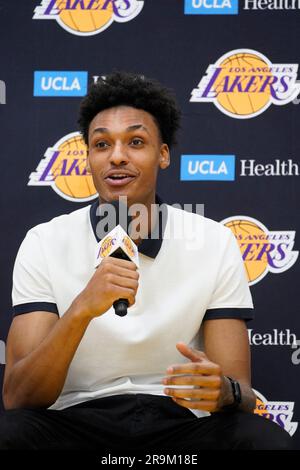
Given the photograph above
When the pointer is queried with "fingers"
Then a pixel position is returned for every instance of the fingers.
(193, 393)
(199, 380)
(123, 272)
(120, 278)
(113, 279)
(212, 381)
(119, 267)
(204, 367)
(122, 281)
(203, 405)
(122, 263)
(191, 353)
(205, 399)
(124, 293)
(125, 287)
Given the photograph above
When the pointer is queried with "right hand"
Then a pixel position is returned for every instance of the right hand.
(114, 279)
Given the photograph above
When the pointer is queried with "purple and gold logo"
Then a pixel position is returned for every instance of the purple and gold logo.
(106, 246)
(262, 250)
(128, 246)
(280, 412)
(87, 17)
(243, 83)
(63, 167)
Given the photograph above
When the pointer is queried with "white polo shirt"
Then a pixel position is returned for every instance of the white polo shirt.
(181, 283)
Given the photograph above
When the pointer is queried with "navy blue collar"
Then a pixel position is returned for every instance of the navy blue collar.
(148, 246)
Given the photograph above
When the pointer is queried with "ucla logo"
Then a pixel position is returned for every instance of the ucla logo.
(280, 412)
(63, 168)
(87, 17)
(207, 168)
(243, 83)
(211, 7)
(51, 83)
(262, 250)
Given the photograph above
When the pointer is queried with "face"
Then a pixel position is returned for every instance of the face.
(125, 154)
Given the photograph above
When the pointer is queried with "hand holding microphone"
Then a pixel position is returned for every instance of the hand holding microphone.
(117, 244)
(115, 281)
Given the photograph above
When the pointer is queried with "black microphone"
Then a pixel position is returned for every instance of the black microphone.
(117, 243)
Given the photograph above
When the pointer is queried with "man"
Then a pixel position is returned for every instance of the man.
(175, 372)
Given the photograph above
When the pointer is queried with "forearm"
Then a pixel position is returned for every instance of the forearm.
(248, 403)
(37, 380)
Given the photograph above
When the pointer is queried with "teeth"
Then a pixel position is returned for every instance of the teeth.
(119, 176)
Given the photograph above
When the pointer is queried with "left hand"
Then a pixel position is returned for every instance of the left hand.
(205, 377)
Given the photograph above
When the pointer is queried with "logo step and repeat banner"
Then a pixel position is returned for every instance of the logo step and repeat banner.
(233, 65)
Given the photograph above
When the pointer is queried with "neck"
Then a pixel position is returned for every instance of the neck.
(143, 218)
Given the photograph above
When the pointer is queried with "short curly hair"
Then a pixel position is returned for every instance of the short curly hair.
(137, 91)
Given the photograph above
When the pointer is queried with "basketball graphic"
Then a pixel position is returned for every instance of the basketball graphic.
(87, 17)
(243, 83)
(128, 245)
(85, 21)
(246, 231)
(250, 101)
(262, 250)
(64, 169)
(106, 246)
(73, 182)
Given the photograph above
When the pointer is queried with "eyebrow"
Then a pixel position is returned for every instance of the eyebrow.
(134, 127)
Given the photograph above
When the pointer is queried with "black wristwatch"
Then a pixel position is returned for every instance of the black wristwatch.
(236, 393)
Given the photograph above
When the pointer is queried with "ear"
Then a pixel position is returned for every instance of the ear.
(164, 159)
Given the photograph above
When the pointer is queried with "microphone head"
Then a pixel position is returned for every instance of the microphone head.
(114, 240)
(112, 229)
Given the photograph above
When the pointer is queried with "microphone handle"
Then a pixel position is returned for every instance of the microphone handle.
(120, 307)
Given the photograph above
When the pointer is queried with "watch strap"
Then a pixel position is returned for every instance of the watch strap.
(236, 393)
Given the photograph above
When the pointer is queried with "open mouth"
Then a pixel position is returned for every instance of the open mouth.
(119, 180)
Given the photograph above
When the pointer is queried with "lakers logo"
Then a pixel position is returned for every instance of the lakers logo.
(262, 250)
(64, 169)
(87, 17)
(279, 412)
(128, 246)
(106, 246)
(243, 83)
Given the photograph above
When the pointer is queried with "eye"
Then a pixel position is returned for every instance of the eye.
(137, 142)
(101, 144)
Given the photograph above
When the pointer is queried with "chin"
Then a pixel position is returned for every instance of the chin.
(114, 196)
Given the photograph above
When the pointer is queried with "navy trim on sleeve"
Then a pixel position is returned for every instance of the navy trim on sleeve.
(246, 314)
(34, 307)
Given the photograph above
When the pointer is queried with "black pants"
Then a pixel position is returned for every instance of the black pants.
(136, 423)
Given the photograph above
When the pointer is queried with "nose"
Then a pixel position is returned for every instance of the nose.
(119, 155)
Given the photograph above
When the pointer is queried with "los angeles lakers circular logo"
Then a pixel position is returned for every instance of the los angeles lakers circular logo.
(128, 245)
(262, 250)
(87, 17)
(243, 83)
(64, 169)
(106, 246)
(251, 101)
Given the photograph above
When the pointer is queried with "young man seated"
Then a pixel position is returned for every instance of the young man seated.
(174, 373)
